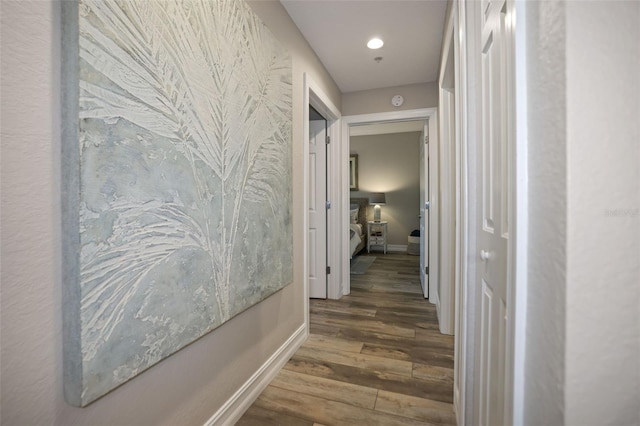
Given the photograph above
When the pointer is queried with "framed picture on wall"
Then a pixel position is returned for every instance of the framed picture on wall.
(353, 172)
(153, 257)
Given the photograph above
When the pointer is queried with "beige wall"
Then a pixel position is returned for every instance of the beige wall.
(188, 387)
(390, 163)
(423, 95)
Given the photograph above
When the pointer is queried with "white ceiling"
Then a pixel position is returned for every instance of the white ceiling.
(338, 31)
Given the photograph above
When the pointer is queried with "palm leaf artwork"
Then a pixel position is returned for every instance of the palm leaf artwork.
(185, 177)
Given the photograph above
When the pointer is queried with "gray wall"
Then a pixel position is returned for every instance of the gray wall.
(423, 95)
(390, 163)
(188, 387)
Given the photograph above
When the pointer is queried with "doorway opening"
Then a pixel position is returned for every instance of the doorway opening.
(391, 168)
(427, 116)
(314, 98)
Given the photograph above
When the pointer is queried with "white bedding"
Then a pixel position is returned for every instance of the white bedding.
(356, 238)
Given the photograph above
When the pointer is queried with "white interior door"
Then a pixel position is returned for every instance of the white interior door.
(424, 211)
(317, 209)
(493, 229)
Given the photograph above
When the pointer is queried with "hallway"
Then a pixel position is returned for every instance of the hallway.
(373, 357)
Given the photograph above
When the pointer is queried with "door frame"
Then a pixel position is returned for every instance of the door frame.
(518, 332)
(449, 204)
(313, 95)
(453, 114)
(430, 114)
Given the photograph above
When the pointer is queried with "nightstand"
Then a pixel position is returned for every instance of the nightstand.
(377, 235)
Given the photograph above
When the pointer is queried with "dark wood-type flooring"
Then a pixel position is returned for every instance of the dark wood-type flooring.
(374, 357)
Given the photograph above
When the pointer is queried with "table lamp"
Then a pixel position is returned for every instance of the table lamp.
(377, 199)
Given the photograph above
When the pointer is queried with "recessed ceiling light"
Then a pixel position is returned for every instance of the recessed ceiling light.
(375, 43)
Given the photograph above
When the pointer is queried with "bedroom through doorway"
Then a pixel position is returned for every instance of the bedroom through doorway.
(401, 220)
(389, 167)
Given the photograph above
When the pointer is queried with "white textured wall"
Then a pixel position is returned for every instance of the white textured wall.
(603, 213)
(188, 387)
(582, 362)
(544, 364)
(390, 163)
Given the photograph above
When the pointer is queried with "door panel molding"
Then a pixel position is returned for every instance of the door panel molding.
(474, 25)
(489, 34)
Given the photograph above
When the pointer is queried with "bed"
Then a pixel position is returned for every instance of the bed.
(357, 225)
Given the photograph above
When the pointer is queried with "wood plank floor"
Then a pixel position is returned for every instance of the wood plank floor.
(374, 357)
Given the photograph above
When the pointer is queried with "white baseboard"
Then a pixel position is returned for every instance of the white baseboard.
(433, 298)
(234, 408)
(397, 248)
(456, 405)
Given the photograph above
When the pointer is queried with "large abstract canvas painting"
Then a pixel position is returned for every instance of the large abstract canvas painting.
(177, 179)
